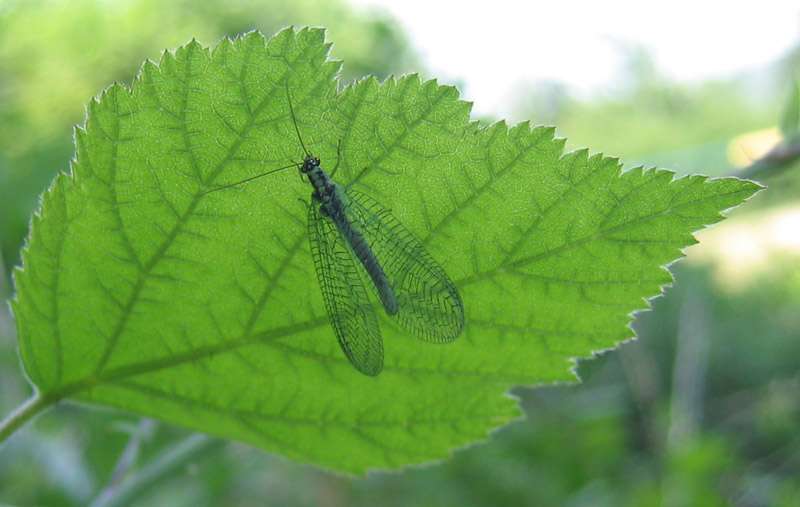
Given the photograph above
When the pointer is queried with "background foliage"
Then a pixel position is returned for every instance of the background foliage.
(702, 408)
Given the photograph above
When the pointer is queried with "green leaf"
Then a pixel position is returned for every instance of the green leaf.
(139, 291)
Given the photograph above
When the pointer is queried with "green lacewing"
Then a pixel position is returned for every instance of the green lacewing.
(355, 243)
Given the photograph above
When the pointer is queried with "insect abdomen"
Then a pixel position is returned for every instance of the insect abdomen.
(364, 254)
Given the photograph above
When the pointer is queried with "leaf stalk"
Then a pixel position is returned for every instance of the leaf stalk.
(22, 414)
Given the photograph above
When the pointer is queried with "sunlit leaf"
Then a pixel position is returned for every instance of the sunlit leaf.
(140, 291)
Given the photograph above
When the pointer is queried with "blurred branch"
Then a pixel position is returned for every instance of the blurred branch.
(780, 158)
(690, 368)
(128, 457)
(160, 468)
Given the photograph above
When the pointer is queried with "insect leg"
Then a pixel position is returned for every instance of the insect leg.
(338, 158)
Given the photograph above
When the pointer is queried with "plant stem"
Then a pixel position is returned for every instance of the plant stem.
(22, 414)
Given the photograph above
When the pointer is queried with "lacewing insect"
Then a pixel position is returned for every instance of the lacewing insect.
(356, 242)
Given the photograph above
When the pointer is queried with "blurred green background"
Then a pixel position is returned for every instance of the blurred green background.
(703, 409)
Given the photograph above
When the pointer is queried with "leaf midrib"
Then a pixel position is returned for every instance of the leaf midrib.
(274, 334)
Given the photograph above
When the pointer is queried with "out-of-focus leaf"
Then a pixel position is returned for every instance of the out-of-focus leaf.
(790, 119)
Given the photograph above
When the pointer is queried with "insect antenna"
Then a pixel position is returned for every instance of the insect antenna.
(251, 178)
(296, 164)
(294, 119)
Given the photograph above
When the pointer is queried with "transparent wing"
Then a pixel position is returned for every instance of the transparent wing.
(429, 306)
(349, 308)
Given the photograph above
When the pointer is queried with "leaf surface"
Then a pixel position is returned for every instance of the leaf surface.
(140, 291)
